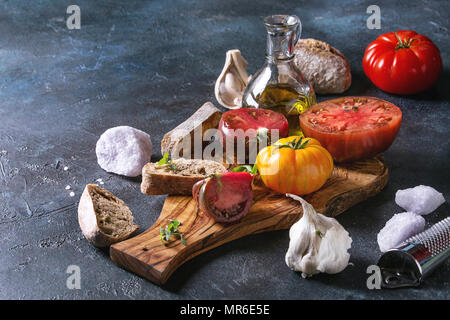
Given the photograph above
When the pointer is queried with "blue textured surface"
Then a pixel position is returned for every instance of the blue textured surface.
(150, 65)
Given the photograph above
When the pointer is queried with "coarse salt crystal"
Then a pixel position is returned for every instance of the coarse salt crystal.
(72, 194)
(420, 200)
(399, 228)
(67, 187)
(123, 150)
(66, 168)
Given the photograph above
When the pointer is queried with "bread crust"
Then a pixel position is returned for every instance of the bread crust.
(325, 67)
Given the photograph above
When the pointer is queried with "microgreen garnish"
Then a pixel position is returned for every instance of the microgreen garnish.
(171, 229)
(295, 144)
(165, 160)
(320, 234)
(247, 168)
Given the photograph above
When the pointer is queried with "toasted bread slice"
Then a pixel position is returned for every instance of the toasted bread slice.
(178, 177)
(205, 118)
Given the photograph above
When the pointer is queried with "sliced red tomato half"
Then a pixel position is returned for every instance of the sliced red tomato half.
(235, 124)
(353, 128)
(225, 197)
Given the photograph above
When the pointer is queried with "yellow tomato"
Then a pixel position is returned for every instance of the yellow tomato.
(295, 165)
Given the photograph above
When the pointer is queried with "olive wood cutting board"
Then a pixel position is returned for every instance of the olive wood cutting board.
(146, 256)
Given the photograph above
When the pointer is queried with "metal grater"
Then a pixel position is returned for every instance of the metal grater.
(412, 261)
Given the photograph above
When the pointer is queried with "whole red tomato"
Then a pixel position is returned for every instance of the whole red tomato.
(402, 62)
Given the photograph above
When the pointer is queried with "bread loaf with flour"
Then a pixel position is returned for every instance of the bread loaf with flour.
(325, 67)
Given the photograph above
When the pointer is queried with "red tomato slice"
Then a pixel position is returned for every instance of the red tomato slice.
(226, 197)
(236, 123)
(353, 128)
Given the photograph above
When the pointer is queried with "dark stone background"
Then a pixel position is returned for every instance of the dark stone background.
(150, 64)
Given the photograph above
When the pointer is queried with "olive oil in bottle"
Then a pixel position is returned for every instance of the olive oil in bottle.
(284, 99)
(279, 85)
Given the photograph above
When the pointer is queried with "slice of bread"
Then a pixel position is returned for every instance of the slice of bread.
(104, 219)
(205, 118)
(178, 177)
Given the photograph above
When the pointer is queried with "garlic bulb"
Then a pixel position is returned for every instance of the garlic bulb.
(317, 243)
(232, 80)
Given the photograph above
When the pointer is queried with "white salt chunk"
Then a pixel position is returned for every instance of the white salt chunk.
(66, 168)
(399, 228)
(67, 187)
(420, 200)
(72, 194)
(124, 150)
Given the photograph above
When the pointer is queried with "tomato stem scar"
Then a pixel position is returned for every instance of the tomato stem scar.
(403, 44)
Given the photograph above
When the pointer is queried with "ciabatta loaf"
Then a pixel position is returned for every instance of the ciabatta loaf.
(325, 67)
(104, 219)
(178, 176)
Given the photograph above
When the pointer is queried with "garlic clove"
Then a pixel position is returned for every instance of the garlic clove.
(333, 256)
(232, 81)
(317, 243)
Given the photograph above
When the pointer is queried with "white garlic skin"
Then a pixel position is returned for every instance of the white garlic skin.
(310, 252)
(232, 81)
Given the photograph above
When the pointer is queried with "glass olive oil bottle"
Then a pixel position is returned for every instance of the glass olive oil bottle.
(279, 85)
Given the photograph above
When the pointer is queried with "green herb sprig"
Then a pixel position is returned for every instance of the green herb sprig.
(171, 229)
(165, 160)
(247, 168)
